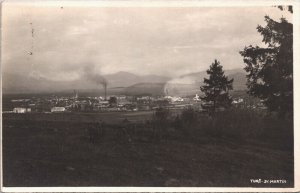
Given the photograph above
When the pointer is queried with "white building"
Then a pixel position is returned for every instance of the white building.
(238, 101)
(21, 110)
(197, 98)
(174, 99)
(58, 109)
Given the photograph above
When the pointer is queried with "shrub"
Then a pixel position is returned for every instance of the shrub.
(238, 123)
(160, 122)
(161, 115)
(188, 116)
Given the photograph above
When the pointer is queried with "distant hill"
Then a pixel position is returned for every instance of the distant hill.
(185, 85)
(15, 83)
(125, 79)
(145, 89)
(120, 83)
(240, 80)
(189, 84)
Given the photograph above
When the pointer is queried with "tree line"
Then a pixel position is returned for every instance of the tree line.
(269, 71)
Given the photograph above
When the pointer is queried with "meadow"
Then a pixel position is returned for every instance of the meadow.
(144, 149)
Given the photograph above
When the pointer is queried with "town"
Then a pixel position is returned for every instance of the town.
(114, 103)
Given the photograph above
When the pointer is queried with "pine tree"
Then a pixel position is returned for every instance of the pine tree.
(216, 88)
(270, 69)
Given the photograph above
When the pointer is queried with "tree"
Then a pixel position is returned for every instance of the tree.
(270, 69)
(112, 101)
(216, 88)
(289, 8)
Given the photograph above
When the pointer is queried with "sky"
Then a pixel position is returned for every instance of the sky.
(58, 42)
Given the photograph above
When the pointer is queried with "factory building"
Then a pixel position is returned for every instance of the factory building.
(21, 110)
(58, 109)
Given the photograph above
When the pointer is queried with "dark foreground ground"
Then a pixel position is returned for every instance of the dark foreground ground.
(58, 151)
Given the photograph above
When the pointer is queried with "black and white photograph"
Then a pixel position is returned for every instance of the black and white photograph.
(99, 94)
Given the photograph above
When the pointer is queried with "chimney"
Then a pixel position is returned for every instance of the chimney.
(75, 94)
(105, 91)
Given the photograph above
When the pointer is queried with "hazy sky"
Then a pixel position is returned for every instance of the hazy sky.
(162, 41)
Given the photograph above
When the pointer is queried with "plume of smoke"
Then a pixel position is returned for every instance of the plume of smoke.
(98, 79)
(92, 76)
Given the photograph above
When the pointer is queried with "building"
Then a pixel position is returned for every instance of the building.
(238, 101)
(21, 110)
(58, 109)
(197, 98)
(174, 99)
(101, 106)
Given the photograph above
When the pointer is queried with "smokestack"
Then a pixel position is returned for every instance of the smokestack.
(90, 75)
(105, 91)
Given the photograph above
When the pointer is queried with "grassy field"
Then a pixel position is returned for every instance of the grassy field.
(110, 117)
(56, 150)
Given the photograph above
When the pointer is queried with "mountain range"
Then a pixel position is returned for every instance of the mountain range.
(189, 84)
(119, 83)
